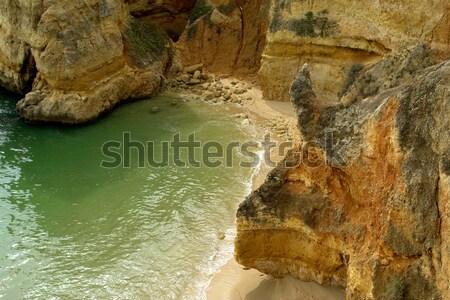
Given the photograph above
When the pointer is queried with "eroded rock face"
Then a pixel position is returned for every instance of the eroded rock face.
(80, 58)
(227, 36)
(367, 209)
(172, 15)
(332, 36)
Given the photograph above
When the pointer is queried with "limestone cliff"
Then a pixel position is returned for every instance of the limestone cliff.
(331, 36)
(171, 15)
(364, 201)
(274, 38)
(78, 58)
(227, 36)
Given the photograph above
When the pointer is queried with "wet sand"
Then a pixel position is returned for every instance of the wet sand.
(235, 283)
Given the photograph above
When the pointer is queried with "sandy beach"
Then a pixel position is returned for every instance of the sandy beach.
(236, 283)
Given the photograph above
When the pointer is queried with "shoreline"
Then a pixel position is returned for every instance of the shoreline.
(233, 281)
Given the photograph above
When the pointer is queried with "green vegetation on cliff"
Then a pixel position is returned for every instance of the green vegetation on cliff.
(309, 26)
(200, 9)
(226, 9)
(313, 25)
(145, 41)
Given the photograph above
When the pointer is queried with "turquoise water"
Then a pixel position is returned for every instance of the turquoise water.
(70, 229)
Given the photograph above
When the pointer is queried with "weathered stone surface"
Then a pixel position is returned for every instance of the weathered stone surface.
(332, 36)
(171, 15)
(75, 47)
(197, 74)
(83, 57)
(372, 215)
(192, 69)
(227, 36)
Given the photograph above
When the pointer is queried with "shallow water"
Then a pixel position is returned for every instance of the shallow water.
(70, 229)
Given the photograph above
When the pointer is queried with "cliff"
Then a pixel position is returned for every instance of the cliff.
(170, 15)
(363, 202)
(227, 36)
(275, 38)
(331, 36)
(75, 60)
(80, 59)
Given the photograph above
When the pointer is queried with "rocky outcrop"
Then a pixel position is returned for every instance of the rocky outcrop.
(227, 36)
(78, 58)
(171, 15)
(364, 201)
(332, 36)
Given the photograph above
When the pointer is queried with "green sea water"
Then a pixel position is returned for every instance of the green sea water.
(70, 229)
